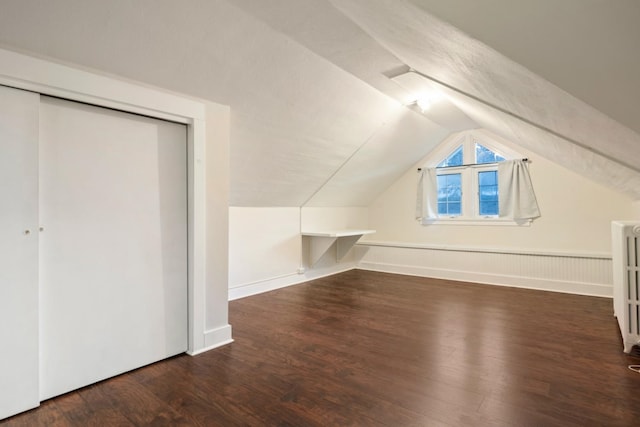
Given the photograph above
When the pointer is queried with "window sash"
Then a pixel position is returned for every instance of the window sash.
(469, 185)
(450, 202)
(488, 193)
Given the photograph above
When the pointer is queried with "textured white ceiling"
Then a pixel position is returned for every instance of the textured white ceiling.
(295, 116)
(589, 48)
(314, 115)
(402, 141)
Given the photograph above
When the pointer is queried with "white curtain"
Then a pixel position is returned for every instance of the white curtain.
(427, 200)
(516, 197)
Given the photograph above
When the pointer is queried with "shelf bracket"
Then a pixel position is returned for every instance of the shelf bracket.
(321, 241)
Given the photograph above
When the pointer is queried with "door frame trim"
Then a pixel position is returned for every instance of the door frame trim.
(54, 79)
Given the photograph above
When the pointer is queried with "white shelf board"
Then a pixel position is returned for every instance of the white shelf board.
(337, 233)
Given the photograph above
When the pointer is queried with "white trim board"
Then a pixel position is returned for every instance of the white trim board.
(214, 338)
(543, 271)
(266, 285)
(546, 252)
(49, 78)
(54, 79)
(578, 288)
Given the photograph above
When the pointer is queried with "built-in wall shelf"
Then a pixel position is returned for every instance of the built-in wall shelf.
(321, 241)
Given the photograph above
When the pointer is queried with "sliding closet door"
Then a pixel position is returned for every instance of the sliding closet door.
(18, 251)
(113, 250)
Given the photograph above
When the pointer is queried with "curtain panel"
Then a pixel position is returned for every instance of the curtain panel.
(517, 199)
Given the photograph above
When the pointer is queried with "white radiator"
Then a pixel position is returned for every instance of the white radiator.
(625, 238)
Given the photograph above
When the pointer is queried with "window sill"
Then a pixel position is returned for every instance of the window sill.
(478, 221)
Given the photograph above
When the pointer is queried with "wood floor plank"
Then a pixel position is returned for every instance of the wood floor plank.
(99, 410)
(377, 349)
(47, 414)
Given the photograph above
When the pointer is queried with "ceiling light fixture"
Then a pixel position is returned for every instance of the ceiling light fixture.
(423, 94)
(424, 103)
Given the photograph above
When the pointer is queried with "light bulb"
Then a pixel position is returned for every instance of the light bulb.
(423, 103)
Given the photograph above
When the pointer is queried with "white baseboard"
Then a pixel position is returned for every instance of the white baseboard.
(581, 288)
(284, 281)
(265, 286)
(214, 338)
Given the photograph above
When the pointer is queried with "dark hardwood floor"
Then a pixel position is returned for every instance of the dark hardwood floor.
(374, 349)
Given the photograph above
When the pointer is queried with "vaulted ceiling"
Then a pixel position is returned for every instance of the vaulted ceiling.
(315, 117)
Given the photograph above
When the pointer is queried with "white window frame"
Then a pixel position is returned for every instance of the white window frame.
(470, 211)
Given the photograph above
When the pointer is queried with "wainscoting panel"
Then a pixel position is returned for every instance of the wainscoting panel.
(585, 274)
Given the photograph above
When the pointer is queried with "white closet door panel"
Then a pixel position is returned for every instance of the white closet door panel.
(18, 251)
(113, 253)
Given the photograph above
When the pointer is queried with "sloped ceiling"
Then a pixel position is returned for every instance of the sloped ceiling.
(315, 118)
(493, 90)
(295, 116)
(586, 47)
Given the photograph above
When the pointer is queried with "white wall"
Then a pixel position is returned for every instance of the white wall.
(266, 249)
(636, 209)
(217, 208)
(314, 218)
(576, 215)
(264, 244)
(567, 249)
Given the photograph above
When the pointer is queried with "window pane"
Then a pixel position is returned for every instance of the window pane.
(488, 208)
(449, 194)
(484, 155)
(454, 208)
(488, 192)
(488, 178)
(454, 159)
